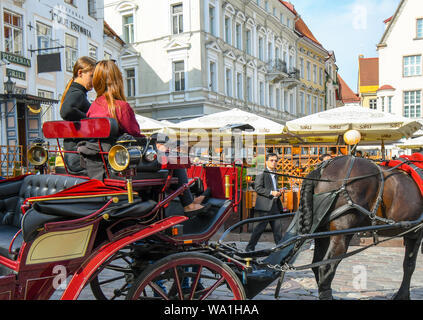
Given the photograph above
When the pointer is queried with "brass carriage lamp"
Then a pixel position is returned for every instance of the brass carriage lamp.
(125, 157)
(38, 154)
(9, 86)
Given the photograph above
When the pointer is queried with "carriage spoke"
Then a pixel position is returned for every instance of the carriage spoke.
(178, 283)
(158, 290)
(194, 285)
(111, 280)
(212, 288)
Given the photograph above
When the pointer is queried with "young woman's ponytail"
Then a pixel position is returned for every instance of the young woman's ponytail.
(85, 64)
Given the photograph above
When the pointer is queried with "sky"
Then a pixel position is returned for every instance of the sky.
(348, 27)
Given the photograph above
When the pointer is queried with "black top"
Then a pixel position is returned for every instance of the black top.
(76, 104)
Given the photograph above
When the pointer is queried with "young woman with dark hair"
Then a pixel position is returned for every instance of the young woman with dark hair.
(74, 107)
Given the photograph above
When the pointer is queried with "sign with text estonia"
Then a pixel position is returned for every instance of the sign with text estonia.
(13, 58)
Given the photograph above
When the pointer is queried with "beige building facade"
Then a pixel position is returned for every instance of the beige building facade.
(190, 58)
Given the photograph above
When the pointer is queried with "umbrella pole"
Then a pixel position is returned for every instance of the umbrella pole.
(383, 150)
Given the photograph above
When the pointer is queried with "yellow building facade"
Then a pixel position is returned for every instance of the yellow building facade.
(368, 81)
(312, 65)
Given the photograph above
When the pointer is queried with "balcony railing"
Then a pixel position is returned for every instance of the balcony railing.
(277, 71)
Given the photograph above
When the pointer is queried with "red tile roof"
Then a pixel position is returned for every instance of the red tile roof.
(369, 71)
(388, 20)
(302, 28)
(111, 33)
(386, 87)
(347, 95)
(290, 6)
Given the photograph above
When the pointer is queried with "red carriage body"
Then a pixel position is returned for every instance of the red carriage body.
(56, 225)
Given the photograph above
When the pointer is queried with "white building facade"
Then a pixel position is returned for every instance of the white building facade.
(189, 58)
(401, 62)
(61, 30)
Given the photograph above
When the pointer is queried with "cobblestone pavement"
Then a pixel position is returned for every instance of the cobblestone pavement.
(374, 274)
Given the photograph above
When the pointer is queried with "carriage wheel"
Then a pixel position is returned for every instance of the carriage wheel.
(113, 278)
(187, 276)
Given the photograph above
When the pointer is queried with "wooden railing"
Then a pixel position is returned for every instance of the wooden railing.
(11, 161)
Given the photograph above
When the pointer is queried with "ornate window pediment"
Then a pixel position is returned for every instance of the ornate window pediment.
(213, 45)
(229, 54)
(228, 8)
(126, 6)
(177, 45)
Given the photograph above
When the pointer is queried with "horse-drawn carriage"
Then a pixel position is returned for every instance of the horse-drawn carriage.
(126, 236)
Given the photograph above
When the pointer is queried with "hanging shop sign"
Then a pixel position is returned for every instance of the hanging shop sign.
(15, 74)
(13, 58)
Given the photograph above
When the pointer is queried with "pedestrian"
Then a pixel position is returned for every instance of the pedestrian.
(74, 107)
(359, 154)
(268, 202)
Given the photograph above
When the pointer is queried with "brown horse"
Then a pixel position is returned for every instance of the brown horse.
(401, 201)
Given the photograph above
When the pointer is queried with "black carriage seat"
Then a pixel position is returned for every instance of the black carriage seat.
(201, 224)
(12, 196)
(64, 210)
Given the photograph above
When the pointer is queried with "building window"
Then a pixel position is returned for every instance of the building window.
(238, 30)
(92, 51)
(315, 105)
(308, 71)
(412, 104)
(390, 104)
(212, 20)
(266, 6)
(302, 102)
(291, 102)
(228, 82)
(281, 18)
(382, 101)
(321, 105)
(249, 42)
(261, 48)
(258, 2)
(179, 75)
(321, 76)
(71, 51)
(228, 30)
(130, 82)
(239, 86)
(92, 8)
(302, 68)
(44, 36)
(373, 104)
(177, 19)
(13, 39)
(315, 73)
(128, 28)
(107, 56)
(250, 89)
(261, 93)
(271, 104)
(47, 114)
(412, 66)
(213, 80)
(269, 52)
(278, 98)
(309, 104)
(419, 28)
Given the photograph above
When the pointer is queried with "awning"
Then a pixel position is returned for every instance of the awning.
(28, 99)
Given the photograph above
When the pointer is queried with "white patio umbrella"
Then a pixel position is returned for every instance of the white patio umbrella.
(416, 143)
(234, 117)
(148, 124)
(372, 124)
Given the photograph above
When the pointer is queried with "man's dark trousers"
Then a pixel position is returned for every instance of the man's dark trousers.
(261, 227)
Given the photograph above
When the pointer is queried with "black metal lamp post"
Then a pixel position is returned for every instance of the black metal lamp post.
(9, 86)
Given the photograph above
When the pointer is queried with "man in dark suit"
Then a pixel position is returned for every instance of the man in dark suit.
(268, 202)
